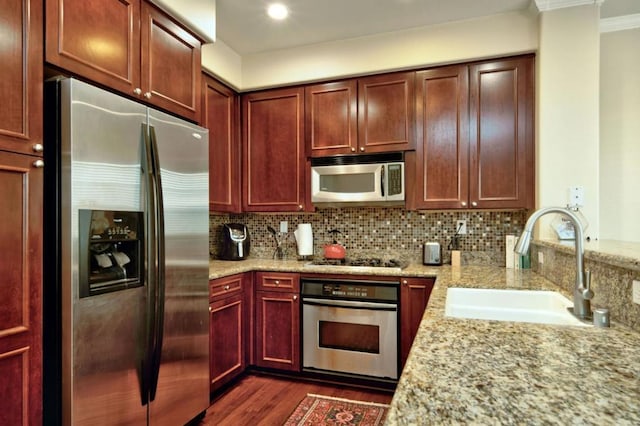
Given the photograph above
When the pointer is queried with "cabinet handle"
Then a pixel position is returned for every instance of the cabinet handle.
(38, 147)
(147, 95)
(353, 149)
(295, 297)
(361, 149)
(137, 91)
(464, 204)
(300, 207)
(38, 164)
(474, 204)
(277, 282)
(226, 287)
(210, 309)
(404, 282)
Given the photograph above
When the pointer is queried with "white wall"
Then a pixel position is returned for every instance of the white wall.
(496, 35)
(620, 135)
(568, 111)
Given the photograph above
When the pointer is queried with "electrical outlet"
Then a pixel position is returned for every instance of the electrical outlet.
(284, 226)
(540, 257)
(461, 227)
(636, 292)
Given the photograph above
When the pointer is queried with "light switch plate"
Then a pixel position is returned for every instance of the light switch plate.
(461, 227)
(284, 226)
(540, 257)
(636, 292)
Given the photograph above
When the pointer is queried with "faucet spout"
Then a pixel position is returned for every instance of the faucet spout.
(582, 293)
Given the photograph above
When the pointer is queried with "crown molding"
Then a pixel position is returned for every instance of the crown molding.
(620, 23)
(546, 5)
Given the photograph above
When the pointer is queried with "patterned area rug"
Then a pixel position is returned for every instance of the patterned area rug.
(327, 410)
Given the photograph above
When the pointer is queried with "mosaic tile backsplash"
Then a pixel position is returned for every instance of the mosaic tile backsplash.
(382, 232)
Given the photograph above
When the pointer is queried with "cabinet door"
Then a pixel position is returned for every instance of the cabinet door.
(97, 39)
(170, 64)
(414, 295)
(331, 114)
(273, 151)
(442, 136)
(220, 114)
(226, 342)
(501, 134)
(21, 294)
(278, 330)
(21, 82)
(386, 112)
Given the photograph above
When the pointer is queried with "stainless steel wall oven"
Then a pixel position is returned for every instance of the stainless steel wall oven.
(350, 327)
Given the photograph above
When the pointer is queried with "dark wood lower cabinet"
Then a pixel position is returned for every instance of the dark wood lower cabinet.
(228, 318)
(414, 296)
(278, 330)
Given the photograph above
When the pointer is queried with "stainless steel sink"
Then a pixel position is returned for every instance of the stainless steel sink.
(532, 306)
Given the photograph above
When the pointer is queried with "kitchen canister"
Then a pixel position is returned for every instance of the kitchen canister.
(304, 238)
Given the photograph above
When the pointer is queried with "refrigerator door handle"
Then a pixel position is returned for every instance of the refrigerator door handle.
(150, 265)
(160, 262)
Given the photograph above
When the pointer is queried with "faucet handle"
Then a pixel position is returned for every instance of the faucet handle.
(587, 293)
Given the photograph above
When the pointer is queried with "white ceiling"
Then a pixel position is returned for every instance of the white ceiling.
(244, 26)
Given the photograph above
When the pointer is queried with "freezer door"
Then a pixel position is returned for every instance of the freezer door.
(183, 383)
(102, 334)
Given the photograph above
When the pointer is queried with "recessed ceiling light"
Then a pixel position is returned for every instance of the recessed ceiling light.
(278, 11)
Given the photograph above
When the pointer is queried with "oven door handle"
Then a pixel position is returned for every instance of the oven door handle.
(350, 304)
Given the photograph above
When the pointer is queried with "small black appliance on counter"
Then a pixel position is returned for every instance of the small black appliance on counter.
(235, 242)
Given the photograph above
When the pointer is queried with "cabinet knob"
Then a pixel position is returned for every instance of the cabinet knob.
(404, 282)
(226, 287)
(474, 204)
(137, 91)
(464, 204)
(38, 164)
(353, 149)
(147, 95)
(300, 207)
(210, 309)
(38, 147)
(277, 282)
(295, 297)
(362, 149)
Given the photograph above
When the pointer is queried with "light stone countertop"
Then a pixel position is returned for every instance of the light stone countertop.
(464, 371)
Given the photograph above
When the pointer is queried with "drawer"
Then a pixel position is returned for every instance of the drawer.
(223, 287)
(278, 281)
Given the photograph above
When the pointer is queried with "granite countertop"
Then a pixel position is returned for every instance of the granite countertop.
(464, 371)
(492, 372)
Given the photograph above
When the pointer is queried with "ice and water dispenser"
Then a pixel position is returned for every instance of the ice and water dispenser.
(111, 251)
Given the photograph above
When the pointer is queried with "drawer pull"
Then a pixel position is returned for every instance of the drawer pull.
(210, 309)
(277, 282)
(226, 287)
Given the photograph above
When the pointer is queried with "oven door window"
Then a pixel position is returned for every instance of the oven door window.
(350, 337)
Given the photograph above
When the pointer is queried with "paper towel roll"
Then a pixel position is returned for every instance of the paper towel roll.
(304, 238)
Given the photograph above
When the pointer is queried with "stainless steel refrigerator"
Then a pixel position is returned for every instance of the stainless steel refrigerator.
(126, 322)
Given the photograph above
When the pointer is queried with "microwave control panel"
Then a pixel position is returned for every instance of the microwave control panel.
(395, 179)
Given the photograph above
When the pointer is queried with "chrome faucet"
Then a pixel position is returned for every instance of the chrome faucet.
(582, 293)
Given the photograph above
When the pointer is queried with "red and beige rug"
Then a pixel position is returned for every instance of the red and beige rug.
(327, 410)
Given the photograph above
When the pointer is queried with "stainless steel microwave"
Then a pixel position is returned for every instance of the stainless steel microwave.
(362, 179)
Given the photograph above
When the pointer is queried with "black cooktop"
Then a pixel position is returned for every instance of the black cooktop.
(364, 262)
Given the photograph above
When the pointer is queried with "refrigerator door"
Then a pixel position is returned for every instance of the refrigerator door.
(102, 333)
(183, 380)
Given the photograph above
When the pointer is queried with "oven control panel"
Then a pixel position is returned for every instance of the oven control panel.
(351, 290)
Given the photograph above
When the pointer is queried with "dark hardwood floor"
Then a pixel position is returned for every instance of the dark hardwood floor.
(269, 400)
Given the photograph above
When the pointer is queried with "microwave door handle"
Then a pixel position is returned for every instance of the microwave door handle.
(382, 183)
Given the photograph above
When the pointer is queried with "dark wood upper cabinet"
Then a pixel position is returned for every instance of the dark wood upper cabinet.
(21, 82)
(501, 122)
(170, 69)
(220, 114)
(386, 112)
(442, 138)
(475, 136)
(331, 113)
(129, 46)
(274, 175)
(370, 114)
